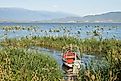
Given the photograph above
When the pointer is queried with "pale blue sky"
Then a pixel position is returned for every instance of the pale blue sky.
(79, 7)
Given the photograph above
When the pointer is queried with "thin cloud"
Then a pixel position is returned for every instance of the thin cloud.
(55, 6)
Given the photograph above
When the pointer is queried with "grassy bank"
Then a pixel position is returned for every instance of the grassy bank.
(85, 45)
(22, 65)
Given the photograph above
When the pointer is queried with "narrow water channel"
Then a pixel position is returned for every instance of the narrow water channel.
(67, 72)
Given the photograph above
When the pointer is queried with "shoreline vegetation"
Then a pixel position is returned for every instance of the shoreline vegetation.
(109, 48)
(91, 45)
(17, 64)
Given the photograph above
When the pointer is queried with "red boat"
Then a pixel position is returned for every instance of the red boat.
(71, 58)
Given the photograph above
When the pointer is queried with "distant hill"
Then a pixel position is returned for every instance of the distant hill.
(24, 15)
(106, 17)
(19, 14)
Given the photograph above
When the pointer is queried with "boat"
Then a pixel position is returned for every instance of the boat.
(71, 56)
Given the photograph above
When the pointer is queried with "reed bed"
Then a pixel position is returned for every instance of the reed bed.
(109, 48)
(17, 64)
(105, 71)
(91, 45)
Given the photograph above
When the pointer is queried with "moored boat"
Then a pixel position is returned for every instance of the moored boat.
(71, 56)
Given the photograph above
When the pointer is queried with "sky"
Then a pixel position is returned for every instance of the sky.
(78, 7)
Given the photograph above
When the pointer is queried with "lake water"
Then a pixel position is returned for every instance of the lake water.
(80, 30)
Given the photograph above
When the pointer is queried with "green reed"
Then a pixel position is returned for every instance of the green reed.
(86, 45)
(17, 64)
(109, 48)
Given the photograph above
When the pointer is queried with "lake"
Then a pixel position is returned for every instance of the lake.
(80, 30)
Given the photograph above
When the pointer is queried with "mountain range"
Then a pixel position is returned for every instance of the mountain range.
(20, 14)
(25, 15)
(110, 17)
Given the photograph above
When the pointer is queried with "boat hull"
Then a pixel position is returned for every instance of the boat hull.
(76, 63)
(69, 65)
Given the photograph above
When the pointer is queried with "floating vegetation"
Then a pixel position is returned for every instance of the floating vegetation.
(96, 33)
(8, 28)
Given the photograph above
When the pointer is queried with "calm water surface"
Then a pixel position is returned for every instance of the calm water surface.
(83, 30)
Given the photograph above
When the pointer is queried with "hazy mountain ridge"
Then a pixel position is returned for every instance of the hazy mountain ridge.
(19, 14)
(111, 16)
(106, 17)
(24, 15)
